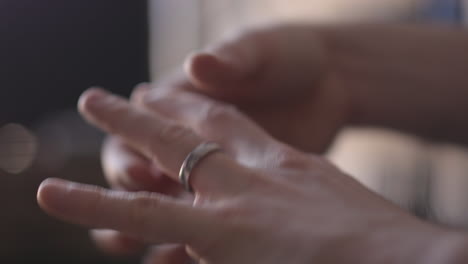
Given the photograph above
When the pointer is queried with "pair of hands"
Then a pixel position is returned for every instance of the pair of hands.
(274, 75)
(259, 201)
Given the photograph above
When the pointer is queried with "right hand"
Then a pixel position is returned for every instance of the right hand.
(261, 202)
(280, 76)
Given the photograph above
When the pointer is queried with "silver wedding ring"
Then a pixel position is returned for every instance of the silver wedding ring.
(192, 159)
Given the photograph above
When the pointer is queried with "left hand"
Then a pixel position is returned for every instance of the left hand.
(259, 201)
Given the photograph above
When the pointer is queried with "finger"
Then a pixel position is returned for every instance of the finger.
(175, 81)
(216, 121)
(140, 90)
(235, 59)
(252, 64)
(115, 243)
(150, 217)
(125, 169)
(164, 142)
(167, 254)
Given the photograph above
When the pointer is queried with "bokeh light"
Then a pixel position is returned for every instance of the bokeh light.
(18, 148)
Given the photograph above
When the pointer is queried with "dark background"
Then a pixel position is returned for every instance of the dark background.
(50, 52)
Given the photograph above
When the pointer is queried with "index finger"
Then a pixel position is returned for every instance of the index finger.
(163, 141)
(149, 216)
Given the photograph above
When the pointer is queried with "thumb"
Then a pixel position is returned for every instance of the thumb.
(227, 63)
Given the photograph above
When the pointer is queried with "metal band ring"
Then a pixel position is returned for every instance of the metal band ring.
(192, 159)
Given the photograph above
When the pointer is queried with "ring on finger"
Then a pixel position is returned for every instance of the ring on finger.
(191, 161)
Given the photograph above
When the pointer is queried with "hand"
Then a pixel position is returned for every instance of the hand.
(258, 202)
(280, 76)
(283, 77)
(126, 169)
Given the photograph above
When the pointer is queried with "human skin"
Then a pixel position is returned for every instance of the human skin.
(393, 76)
(261, 202)
(303, 83)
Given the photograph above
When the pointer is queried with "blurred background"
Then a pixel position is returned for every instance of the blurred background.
(51, 51)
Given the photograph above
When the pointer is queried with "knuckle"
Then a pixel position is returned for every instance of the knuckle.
(169, 134)
(291, 159)
(215, 113)
(151, 101)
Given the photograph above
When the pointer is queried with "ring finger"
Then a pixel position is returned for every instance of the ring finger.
(164, 142)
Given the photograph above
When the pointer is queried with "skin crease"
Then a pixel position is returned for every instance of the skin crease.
(261, 213)
(312, 80)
